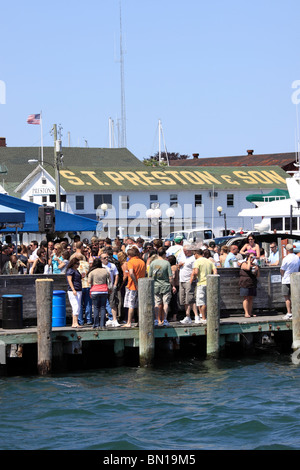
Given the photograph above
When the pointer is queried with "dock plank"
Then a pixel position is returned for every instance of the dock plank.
(228, 326)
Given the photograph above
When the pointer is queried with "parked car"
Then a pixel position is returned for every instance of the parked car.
(220, 241)
(192, 234)
(296, 245)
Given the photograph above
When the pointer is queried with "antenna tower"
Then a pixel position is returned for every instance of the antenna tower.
(123, 111)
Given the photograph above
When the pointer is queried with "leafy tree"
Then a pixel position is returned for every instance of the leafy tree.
(154, 159)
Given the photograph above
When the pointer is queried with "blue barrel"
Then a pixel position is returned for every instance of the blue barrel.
(59, 308)
(12, 311)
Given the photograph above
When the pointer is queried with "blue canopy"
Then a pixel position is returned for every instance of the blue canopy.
(8, 215)
(64, 222)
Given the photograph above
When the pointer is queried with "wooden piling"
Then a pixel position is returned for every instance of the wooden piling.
(213, 315)
(146, 321)
(44, 292)
(295, 300)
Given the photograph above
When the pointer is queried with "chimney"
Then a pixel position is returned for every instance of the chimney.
(195, 155)
(2, 142)
(250, 152)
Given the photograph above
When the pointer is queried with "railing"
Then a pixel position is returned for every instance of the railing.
(269, 296)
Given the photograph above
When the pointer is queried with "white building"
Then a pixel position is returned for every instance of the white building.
(90, 177)
(194, 194)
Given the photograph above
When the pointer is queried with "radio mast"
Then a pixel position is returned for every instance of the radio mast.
(123, 111)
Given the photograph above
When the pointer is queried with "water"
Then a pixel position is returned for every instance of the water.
(190, 405)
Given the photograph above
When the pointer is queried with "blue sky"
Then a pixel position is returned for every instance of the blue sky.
(218, 74)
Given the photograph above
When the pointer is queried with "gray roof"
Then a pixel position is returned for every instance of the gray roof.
(168, 178)
(15, 160)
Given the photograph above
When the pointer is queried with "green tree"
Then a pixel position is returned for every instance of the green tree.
(154, 159)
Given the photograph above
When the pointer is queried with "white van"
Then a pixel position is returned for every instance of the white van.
(192, 235)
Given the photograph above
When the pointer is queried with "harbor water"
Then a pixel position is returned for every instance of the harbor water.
(249, 403)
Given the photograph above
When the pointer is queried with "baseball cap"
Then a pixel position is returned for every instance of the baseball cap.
(178, 239)
(289, 247)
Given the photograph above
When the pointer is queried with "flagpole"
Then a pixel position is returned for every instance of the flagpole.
(42, 150)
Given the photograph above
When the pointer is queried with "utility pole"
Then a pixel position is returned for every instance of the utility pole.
(57, 155)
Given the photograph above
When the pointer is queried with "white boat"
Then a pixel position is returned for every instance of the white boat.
(282, 216)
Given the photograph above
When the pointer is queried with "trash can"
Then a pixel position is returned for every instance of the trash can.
(59, 308)
(12, 311)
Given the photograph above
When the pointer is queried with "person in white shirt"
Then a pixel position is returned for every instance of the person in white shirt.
(130, 243)
(187, 289)
(113, 296)
(176, 249)
(290, 264)
(34, 248)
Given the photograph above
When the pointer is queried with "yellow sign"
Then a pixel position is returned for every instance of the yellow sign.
(167, 178)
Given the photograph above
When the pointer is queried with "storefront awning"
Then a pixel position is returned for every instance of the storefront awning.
(9, 215)
(64, 222)
(274, 195)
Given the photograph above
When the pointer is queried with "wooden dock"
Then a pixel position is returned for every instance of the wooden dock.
(233, 325)
(69, 341)
(224, 327)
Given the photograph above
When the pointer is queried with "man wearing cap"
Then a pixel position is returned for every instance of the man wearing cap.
(176, 249)
(160, 271)
(290, 264)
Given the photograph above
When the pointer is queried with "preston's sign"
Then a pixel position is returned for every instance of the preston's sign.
(166, 178)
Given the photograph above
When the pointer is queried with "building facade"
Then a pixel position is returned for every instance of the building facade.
(91, 177)
(195, 195)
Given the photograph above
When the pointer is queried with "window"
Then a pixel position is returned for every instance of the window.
(44, 199)
(79, 203)
(102, 199)
(63, 198)
(198, 200)
(288, 225)
(44, 181)
(230, 200)
(124, 202)
(154, 204)
(173, 200)
(276, 223)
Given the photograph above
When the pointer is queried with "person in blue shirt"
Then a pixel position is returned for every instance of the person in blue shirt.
(57, 259)
(273, 259)
(231, 257)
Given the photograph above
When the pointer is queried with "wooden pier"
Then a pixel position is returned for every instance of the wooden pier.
(53, 344)
(73, 341)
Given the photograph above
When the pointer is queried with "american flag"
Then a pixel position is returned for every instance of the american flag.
(34, 119)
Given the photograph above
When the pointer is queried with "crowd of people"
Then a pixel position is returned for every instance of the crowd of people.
(102, 276)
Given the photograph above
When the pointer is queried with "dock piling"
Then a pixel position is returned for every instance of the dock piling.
(44, 292)
(213, 315)
(146, 321)
(295, 300)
